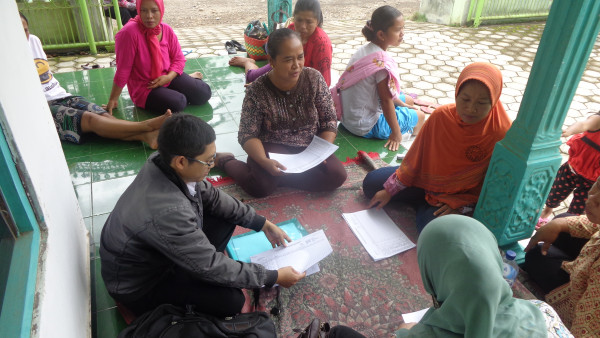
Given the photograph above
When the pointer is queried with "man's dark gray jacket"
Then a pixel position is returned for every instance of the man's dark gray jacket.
(157, 224)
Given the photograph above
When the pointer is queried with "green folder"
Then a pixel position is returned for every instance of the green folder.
(244, 246)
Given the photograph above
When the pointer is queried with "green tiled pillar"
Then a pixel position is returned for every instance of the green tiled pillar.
(524, 164)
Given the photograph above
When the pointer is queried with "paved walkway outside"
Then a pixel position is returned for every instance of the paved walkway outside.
(430, 58)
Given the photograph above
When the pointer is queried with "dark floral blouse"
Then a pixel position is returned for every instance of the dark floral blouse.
(287, 117)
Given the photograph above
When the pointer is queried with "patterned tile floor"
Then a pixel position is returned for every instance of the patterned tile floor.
(430, 60)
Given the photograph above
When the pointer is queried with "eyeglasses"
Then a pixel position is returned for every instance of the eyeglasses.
(208, 164)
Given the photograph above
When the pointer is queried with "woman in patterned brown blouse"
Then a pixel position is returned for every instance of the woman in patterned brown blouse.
(282, 111)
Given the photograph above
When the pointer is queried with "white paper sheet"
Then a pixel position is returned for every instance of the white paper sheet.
(317, 151)
(414, 317)
(378, 233)
(302, 254)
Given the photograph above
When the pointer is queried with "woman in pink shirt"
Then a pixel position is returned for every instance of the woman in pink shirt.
(308, 20)
(150, 63)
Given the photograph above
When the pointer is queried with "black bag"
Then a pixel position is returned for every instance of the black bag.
(256, 30)
(169, 321)
(316, 329)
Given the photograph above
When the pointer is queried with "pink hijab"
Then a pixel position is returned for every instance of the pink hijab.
(152, 38)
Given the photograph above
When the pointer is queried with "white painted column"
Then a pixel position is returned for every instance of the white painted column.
(63, 285)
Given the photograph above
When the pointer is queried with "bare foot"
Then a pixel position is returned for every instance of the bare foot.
(239, 61)
(197, 75)
(150, 138)
(547, 212)
(156, 122)
(221, 156)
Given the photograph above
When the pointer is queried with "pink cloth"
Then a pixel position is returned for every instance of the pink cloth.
(152, 38)
(361, 69)
(134, 60)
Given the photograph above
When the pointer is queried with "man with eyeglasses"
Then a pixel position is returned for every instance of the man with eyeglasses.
(164, 240)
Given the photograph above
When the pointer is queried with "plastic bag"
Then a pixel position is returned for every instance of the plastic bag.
(256, 30)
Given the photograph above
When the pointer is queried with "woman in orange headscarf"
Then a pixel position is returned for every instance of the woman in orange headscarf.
(444, 169)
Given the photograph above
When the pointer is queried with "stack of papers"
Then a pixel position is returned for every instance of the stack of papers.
(317, 151)
(302, 254)
(378, 233)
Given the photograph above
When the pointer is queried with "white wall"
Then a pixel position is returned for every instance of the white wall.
(63, 301)
(445, 12)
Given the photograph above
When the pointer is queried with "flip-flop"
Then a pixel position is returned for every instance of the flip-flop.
(230, 48)
(91, 66)
(413, 95)
(427, 109)
(541, 222)
(426, 104)
(238, 46)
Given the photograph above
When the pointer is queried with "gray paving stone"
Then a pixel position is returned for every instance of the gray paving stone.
(420, 72)
(65, 69)
(402, 71)
(441, 85)
(192, 56)
(344, 55)
(592, 106)
(423, 85)
(435, 93)
(411, 77)
(448, 98)
(506, 99)
(65, 64)
(416, 61)
(85, 59)
(417, 91)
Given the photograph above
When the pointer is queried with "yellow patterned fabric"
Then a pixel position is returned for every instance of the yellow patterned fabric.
(578, 302)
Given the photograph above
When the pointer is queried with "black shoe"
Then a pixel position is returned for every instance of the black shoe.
(238, 46)
(230, 47)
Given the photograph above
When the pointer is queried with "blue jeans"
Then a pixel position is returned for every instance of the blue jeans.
(412, 196)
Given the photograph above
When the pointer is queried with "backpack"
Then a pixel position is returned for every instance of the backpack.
(169, 321)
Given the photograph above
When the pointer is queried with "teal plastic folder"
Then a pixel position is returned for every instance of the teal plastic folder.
(244, 246)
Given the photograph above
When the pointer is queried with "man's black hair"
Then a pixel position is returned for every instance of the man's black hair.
(184, 135)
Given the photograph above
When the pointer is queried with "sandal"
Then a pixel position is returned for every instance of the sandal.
(427, 109)
(91, 66)
(413, 95)
(541, 222)
(433, 105)
(230, 48)
(238, 46)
